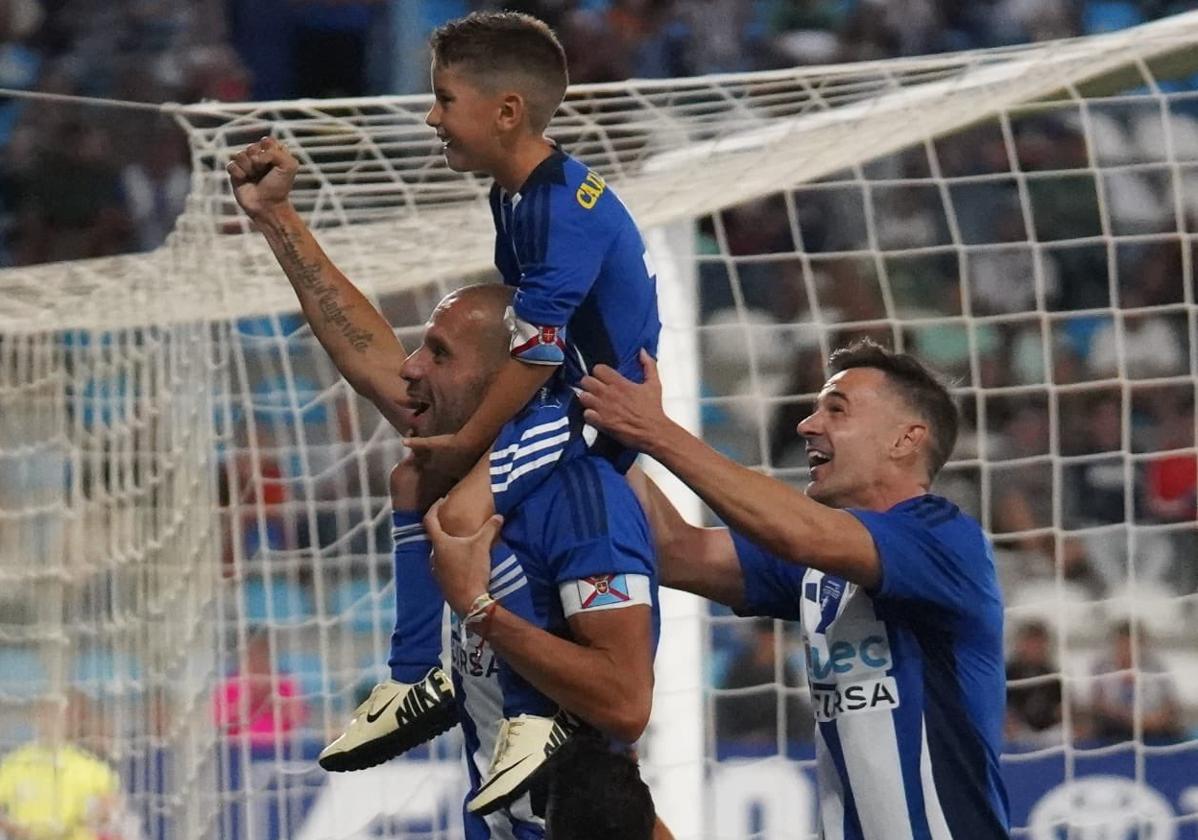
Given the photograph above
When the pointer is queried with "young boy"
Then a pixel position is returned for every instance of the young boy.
(585, 295)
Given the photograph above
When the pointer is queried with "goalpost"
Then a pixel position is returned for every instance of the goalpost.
(189, 491)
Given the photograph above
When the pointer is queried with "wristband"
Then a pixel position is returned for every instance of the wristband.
(479, 613)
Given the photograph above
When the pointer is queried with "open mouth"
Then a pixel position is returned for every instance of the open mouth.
(817, 459)
(419, 407)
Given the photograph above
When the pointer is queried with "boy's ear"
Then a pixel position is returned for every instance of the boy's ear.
(512, 111)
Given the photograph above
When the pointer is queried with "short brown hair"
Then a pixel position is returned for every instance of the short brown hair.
(507, 47)
(916, 384)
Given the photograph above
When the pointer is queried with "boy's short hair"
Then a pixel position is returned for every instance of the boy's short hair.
(501, 48)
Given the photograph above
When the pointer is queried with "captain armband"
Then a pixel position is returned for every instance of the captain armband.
(534, 344)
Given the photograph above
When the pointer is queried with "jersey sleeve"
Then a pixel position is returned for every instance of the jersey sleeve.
(561, 244)
(773, 587)
(920, 568)
(505, 256)
(595, 526)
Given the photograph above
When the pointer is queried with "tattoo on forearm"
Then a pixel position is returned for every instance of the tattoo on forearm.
(307, 275)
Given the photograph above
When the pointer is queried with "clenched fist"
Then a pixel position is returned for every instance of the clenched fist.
(261, 175)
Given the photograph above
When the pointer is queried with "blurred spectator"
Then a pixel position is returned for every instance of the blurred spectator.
(749, 710)
(258, 703)
(330, 46)
(20, 64)
(1147, 345)
(1171, 482)
(52, 789)
(1126, 684)
(156, 184)
(73, 206)
(253, 497)
(1033, 709)
(1017, 489)
(1095, 487)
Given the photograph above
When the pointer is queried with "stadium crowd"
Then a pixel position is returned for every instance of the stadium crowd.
(73, 186)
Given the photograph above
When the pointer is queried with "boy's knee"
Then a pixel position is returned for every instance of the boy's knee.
(462, 514)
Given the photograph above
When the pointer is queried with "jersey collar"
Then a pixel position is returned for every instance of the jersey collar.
(552, 170)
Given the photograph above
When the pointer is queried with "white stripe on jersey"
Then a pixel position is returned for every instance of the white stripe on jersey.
(937, 824)
(505, 578)
(871, 760)
(831, 795)
(500, 594)
(522, 451)
(528, 434)
(866, 732)
(501, 567)
(482, 699)
(525, 468)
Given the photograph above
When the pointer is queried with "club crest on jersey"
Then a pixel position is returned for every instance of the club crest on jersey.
(604, 590)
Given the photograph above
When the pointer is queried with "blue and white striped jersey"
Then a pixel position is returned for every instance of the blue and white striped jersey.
(907, 681)
(479, 694)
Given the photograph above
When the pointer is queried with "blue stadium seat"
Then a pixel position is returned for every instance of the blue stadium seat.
(1100, 16)
(22, 674)
(278, 602)
(99, 671)
(361, 607)
(307, 668)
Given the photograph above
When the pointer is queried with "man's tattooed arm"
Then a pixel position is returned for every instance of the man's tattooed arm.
(354, 334)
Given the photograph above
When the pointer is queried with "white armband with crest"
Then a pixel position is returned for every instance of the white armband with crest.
(536, 345)
(604, 592)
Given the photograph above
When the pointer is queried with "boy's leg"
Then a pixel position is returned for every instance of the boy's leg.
(419, 604)
(416, 704)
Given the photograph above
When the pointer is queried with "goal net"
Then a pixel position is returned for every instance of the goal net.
(193, 506)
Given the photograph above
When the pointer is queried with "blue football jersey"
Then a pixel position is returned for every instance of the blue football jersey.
(907, 682)
(585, 287)
(583, 539)
(581, 535)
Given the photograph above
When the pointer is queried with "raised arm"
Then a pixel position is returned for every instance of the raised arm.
(690, 558)
(355, 335)
(772, 514)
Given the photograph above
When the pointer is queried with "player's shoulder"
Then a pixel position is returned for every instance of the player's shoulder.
(944, 524)
(573, 189)
(588, 493)
(939, 518)
(929, 510)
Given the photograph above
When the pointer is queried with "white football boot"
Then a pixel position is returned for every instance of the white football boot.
(393, 719)
(525, 747)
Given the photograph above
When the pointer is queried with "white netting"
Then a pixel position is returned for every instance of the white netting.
(190, 491)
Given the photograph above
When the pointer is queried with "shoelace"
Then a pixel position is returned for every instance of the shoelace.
(506, 737)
